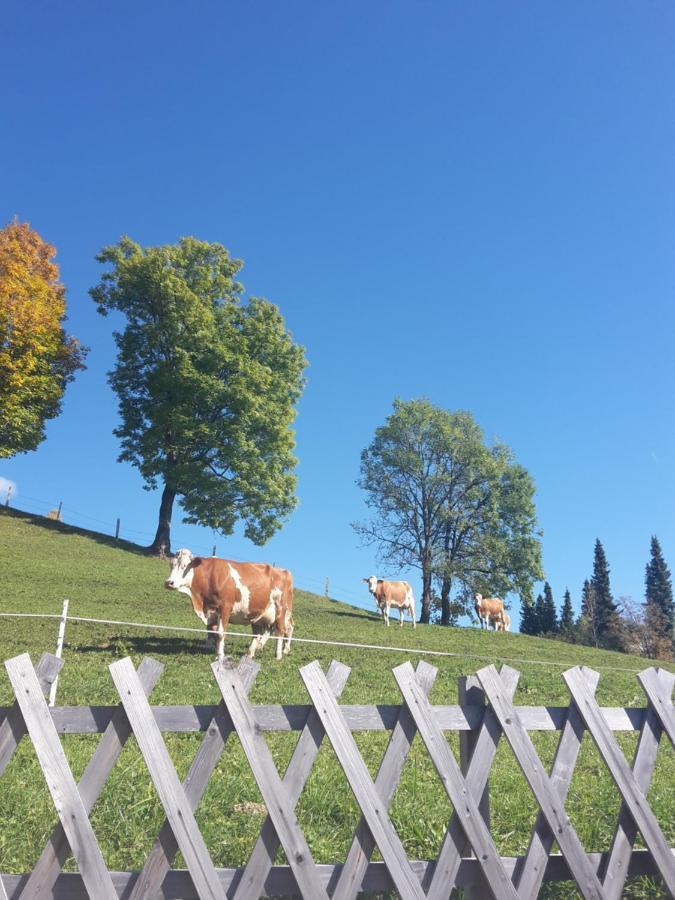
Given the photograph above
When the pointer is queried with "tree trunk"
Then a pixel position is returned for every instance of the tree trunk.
(426, 593)
(446, 587)
(161, 546)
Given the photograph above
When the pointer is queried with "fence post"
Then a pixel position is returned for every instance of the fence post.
(327, 588)
(58, 511)
(117, 530)
(9, 494)
(59, 651)
(470, 693)
(214, 550)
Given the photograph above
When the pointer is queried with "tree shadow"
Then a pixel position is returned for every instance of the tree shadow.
(62, 528)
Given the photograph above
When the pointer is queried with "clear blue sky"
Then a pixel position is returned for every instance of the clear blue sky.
(472, 202)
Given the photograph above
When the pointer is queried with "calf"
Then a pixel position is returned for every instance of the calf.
(392, 593)
(488, 609)
(501, 621)
(223, 591)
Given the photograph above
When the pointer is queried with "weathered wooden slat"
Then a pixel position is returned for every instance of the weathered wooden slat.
(280, 881)
(363, 843)
(356, 772)
(165, 779)
(620, 771)
(660, 698)
(478, 770)
(13, 727)
(545, 794)
(165, 847)
(262, 858)
(643, 768)
(91, 784)
(274, 792)
(187, 719)
(59, 778)
(529, 877)
(474, 827)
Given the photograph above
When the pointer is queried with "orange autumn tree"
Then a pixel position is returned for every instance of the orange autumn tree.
(37, 357)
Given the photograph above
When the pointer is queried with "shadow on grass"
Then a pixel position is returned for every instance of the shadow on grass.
(62, 528)
(365, 615)
(123, 645)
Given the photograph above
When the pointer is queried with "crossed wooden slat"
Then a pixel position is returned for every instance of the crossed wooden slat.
(47, 868)
(362, 846)
(177, 807)
(373, 809)
(530, 874)
(463, 800)
(13, 728)
(252, 881)
(450, 855)
(545, 793)
(275, 792)
(59, 778)
(659, 688)
(625, 780)
(210, 749)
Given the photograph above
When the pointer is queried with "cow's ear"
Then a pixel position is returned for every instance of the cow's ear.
(194, 562)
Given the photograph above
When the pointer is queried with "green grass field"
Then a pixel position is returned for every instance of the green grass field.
(43, 562)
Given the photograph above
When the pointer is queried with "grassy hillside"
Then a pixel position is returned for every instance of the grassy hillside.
(43, 562)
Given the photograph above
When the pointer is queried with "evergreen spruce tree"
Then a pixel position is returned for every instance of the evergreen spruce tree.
(604, 606)
(548, 621)
(588, 620)
(527, 617)
(566, 623)
(538, 614)
(659, 588)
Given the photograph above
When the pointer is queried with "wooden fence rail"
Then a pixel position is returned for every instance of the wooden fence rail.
(468, 857)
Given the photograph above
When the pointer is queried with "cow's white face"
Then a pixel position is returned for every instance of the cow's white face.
(479, 598)
(372, 583)
(181, 573)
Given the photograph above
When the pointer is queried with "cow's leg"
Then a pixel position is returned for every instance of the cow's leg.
(260, 635)
(280, 627)
(385, 613)
(220, 640)
(290, 625)
(400, 612)
(223, 622)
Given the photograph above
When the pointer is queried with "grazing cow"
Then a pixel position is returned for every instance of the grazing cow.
(501, 621)
(488, 609)
(223, 591)
(392, 593)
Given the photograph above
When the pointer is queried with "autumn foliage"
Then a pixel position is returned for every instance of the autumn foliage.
(37, 357)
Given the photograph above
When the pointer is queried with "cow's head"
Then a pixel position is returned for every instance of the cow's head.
(372, 583)
(182, 570)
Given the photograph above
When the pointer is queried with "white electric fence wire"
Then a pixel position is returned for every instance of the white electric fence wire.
(411, 651)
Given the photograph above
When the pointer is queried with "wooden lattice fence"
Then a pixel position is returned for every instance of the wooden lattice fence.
(468, 857)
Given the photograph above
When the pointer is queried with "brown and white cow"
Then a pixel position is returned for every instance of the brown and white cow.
(392, 593)
(488, 609)
(224, 591)
(501, 621)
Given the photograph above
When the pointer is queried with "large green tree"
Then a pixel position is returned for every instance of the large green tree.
(207, 386)
(659, 587)
(445, 503)
(37, 357)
